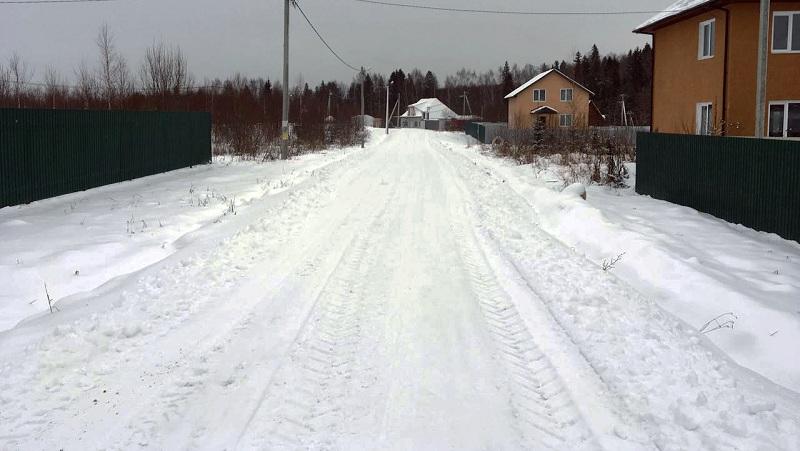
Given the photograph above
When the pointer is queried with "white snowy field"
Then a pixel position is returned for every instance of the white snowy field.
(696, 266)
(403, 297)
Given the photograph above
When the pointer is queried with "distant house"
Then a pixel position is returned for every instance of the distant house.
(705, 63)
(369, 121)
(552, 99)
(426, 111)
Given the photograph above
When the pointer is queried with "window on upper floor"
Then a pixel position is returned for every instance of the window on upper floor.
(786, 32)
(539, 95)
(708, 40)
(784, 119)
(566, 95)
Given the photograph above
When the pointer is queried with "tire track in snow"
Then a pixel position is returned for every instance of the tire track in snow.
(80, 359)
(303, 405)
(210, 366)
(547, 416)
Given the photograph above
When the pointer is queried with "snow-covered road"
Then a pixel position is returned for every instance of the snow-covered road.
(401, 298)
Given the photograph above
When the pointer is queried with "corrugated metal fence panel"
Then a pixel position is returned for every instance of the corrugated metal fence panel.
(471, 129)
(753, 182)
(46, 153)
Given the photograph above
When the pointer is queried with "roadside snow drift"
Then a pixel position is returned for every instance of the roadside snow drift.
(698, 267)
(77, 242)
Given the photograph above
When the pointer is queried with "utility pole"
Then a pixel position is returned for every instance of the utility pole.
(363, 130)
(330, 94)
(285, 121)
(388, 85)
(761, 84)
(464, 108)
(624, 111)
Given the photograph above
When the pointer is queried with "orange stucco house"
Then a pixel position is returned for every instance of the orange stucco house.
(704, 68)
(553, 100)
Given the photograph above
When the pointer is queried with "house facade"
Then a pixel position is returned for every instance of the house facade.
(705, 64)
(552, 99)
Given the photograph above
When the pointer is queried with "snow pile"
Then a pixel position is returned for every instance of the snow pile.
(698, 267)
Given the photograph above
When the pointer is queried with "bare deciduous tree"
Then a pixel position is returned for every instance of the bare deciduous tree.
(164, 72)
(108, 57)
(87, 85)
(54, 86)
(114, 76)
(123, 79)
(5, 83)
(20, 75)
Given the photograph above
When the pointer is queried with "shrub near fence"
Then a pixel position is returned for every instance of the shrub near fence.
(753, 182)
(47, 153)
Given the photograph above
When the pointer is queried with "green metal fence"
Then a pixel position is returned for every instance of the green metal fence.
(46, 153)
(753, 182)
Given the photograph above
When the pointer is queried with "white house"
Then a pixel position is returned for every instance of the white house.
(426, 110)
(369, 121)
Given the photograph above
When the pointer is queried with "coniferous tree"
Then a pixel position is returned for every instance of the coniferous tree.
(507, 79)
(430, 85)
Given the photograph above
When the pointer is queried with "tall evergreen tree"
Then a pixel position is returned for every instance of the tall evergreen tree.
(577, 68)
(594, 69)
(430, 85)
(507, 79)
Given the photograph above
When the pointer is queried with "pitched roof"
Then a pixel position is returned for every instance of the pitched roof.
(536, 79)
(438, 110)
(543, 109)
(678, 8)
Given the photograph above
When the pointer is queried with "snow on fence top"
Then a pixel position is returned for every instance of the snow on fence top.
(679, 7)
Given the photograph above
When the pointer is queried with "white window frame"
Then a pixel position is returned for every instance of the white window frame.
(699, 118)
(542, 95)
(790, 15)
(701, 39)
(571, 95)
(785, 104)
(561, 120)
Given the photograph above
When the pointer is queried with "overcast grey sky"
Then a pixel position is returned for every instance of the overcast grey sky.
(222, 37)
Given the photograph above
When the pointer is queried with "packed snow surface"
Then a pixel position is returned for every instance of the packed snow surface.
(403, 297)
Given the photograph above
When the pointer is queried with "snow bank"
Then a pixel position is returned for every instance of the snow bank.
(78, 242)
(694, 265)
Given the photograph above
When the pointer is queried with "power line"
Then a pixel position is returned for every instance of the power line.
(296, 4)
(509, 12)
(34, 2)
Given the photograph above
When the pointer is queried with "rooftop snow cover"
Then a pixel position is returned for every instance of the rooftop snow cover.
(437, 109)
(535, 79)
(679, 7)
(543, 108)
